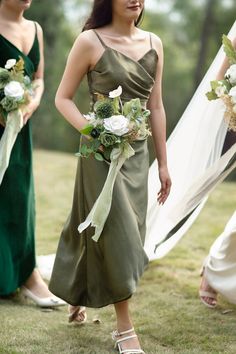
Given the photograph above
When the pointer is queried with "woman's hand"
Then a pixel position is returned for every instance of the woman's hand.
(165, 185)
(30, 109)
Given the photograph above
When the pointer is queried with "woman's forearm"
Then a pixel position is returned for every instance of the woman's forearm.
(38, 85)
(71, 113)
(158, 126)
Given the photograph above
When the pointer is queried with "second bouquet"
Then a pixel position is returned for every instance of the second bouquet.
(112, 128)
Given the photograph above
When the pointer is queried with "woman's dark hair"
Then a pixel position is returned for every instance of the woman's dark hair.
(101, 15)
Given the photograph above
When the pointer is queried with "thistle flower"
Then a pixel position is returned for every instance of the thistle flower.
(104, 109)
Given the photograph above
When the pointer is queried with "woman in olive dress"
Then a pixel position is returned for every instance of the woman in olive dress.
(20, 37)
(112, 51)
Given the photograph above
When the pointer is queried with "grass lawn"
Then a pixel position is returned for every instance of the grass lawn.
(167, 314)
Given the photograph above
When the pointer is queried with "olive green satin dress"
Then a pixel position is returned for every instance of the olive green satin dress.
(17, 202)
(96, 274)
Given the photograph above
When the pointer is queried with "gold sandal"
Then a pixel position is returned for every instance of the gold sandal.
(73, 315)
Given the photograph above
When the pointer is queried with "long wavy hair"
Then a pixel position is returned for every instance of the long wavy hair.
(101, 15)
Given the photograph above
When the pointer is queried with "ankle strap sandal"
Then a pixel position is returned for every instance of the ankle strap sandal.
(116, 335)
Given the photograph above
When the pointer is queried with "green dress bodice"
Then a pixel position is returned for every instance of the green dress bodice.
(115, 68)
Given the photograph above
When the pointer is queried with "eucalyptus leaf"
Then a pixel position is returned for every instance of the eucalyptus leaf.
(211, 95)
(229, 49)
(87, 129)
(98, 156)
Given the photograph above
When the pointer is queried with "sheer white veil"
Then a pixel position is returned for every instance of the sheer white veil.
(195, 164)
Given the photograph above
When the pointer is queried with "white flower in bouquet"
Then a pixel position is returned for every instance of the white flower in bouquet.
(232, 93)
(90, 116)
(231, 74)
(115, 93)
(10, 63)
(117, 124)
(220, 90)
(14, 90)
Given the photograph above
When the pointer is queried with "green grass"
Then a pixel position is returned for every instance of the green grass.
(166, 311)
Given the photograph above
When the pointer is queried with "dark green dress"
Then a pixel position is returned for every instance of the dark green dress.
(96, 274)
(17, 204)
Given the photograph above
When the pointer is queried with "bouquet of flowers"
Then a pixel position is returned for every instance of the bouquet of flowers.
(113, 125)
(15, 92)
(112, 128)
(226, 89)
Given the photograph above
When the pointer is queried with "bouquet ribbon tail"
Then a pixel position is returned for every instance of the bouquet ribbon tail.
(100, 211)
(13, 126)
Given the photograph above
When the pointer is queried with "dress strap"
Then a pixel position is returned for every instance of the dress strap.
(100, 39)
(36, 29)
(150, 37)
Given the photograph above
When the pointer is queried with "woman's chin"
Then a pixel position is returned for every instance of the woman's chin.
(25, 3)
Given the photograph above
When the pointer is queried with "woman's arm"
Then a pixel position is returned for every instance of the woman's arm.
(78, 64)
(158, 125)
(38, 81)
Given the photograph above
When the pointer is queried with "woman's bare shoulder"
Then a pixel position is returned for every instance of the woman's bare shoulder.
(86, 40)
(156, 40)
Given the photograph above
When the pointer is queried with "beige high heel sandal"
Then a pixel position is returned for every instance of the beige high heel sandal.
(116, 334)
(207, 294)
(73, 315)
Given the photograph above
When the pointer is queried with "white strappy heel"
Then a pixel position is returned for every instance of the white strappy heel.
(115, 335)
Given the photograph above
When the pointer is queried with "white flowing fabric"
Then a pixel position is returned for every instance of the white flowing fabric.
(195, 165)
(220, 267)
(13, 126)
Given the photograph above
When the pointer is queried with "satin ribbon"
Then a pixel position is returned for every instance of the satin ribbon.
(14, 124)
(100, 211)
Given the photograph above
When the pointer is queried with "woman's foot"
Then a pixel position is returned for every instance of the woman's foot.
(127, 341)
(77, 314)
(207, 294)
(37, 290)
(37, 285)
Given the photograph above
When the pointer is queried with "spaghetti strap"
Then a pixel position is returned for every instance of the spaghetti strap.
(150, 36)
(100, 39)
(36, 29)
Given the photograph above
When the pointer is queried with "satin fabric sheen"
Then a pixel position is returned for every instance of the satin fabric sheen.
(96, 274)
(17, 202)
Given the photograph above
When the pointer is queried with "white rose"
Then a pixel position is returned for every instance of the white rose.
(231, 74)
(220, 90)
(14, 89)
(115, 93)
(118, 125)
(232, 93)
(10, 63)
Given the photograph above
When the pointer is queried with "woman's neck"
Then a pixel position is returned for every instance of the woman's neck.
(11, 15)
(123, 28)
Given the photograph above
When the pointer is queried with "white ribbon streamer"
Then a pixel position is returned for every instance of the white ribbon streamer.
(100, 211)
(13, 126)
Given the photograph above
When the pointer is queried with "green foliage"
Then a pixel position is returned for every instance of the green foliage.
(87, 129)
(133, 108)
(229, 49)
(4, 77)
(211, 95)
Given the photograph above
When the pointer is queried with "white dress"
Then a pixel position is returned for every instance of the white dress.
(220, 267)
